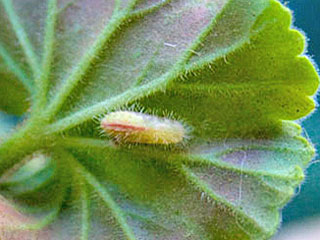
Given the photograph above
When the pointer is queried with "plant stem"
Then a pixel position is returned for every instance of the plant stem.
(25, 141)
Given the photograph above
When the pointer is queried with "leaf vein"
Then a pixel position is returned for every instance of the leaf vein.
(203, 187)
(43, 80)
(117, 212)
(22, 37)
(16, 69)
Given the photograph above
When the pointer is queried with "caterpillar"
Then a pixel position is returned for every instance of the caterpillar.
(135, 127)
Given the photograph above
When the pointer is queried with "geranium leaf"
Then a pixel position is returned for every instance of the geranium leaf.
(230, 72)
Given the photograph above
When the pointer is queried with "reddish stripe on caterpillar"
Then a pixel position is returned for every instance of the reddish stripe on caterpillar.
(121, 127)
(135, 127)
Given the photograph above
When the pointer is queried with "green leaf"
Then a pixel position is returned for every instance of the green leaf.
(13, 95)
(232, 71)
(15, 52)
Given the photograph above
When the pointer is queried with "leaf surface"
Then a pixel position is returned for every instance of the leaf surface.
(231, 71)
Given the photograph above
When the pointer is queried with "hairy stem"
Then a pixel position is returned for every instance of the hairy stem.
(85, 213)
(20, 144)
(88, 59)
(116, 211)
(43, 80)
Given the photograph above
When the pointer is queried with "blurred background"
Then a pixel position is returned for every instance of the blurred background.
(301, 217)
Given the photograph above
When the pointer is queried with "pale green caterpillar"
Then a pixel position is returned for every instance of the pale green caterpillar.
(135, 127)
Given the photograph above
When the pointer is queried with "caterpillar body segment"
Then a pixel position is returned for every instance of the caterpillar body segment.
(136, 127)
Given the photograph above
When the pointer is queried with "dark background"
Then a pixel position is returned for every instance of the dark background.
(307, 202)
